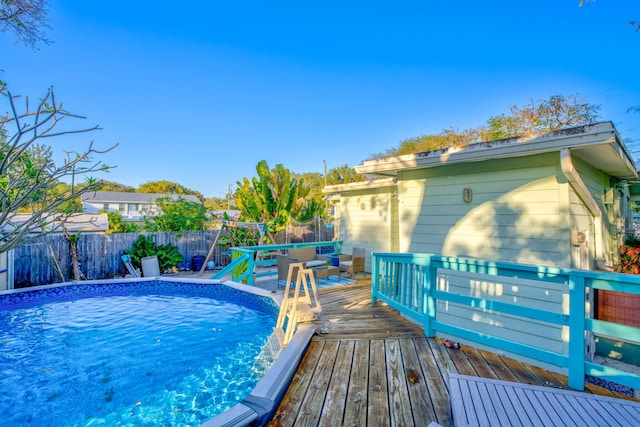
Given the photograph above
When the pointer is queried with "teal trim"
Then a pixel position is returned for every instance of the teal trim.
(577, 301)
(375, 272)
(430, 301)
(226, 270)
(416, 317)
(409, 284)
(247, 254)
(504, 307)
(617, 285)
(608, 329)
(506, 345)
(613, 375)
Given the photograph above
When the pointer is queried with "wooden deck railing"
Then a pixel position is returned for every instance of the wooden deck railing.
(244, 259)
(538, 314)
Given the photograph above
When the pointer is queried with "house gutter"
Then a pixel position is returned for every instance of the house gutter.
(583, 192)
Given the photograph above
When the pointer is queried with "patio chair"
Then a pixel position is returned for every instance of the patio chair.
(307, 256)
(126, 259)
(353, 263)
(283, 262)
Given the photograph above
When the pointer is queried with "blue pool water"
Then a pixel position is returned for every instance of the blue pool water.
(148, 354)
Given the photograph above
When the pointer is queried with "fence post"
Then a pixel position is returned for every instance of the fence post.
(576, 358)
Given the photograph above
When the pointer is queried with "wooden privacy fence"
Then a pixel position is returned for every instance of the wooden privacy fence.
(537, 314)
(99, 254)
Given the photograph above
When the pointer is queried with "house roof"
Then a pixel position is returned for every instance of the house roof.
(126, 197)
(360, 185)
(74, 223)
(598, 144)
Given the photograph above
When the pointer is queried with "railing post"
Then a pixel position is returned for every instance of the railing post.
(251, 267)
(375, 277)
(577, 343)
(429, 303)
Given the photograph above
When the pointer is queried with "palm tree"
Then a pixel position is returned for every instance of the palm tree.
(270, 198)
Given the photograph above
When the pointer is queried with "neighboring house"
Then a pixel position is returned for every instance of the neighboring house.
(73, 223)
(558, 199)
(132, 206)
(232, 214)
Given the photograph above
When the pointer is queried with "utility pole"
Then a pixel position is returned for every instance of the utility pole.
(326, 202)
(229, 197)
(325, 172)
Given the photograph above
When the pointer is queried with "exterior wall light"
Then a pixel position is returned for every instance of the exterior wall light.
(467, 195)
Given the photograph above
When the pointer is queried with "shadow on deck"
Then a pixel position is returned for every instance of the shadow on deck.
(375, 368)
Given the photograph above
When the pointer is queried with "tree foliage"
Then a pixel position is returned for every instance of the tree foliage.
(557, 112)
(26, 19)
(106, 185)
(272, 197)
(177, 215)
(219, 203)
(29, 177)
(343, 174)
(166, 187)
(118, 225)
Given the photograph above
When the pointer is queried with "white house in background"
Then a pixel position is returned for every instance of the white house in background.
(557, 199)
(131, 206)
(73, 223)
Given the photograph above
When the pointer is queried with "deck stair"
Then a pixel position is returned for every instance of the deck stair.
(300, 303)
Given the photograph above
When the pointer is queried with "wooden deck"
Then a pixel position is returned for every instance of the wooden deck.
(486, 402)
(374, 368)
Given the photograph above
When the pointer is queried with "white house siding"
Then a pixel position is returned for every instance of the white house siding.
(366, 218)
(127, 210)
(395, 224)
(519, 211)
(599, 184)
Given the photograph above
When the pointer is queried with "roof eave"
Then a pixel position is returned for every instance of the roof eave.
(578, 139)
(360, 185)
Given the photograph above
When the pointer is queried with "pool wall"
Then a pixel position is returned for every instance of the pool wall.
(259, 406)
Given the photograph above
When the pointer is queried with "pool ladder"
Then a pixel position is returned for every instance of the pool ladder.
(302, 306)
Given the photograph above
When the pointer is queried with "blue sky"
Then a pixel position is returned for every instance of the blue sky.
(199, 92)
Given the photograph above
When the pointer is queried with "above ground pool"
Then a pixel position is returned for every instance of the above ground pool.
(144, 353)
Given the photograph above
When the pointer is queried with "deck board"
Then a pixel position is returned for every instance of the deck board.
(399, 404)
(355, 413)
(438, 393)
(517, 404)
(421, 405)
(312, 404)
(378, 403)
(375, 368)
(335, 400)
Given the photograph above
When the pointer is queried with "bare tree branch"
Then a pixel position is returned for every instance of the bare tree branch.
(26, 19)
(31, 204)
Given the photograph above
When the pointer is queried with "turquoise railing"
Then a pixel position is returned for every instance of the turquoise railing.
(409, 284)
(244, 259)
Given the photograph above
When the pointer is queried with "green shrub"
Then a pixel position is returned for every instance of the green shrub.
(168, 254)
(632, 241)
